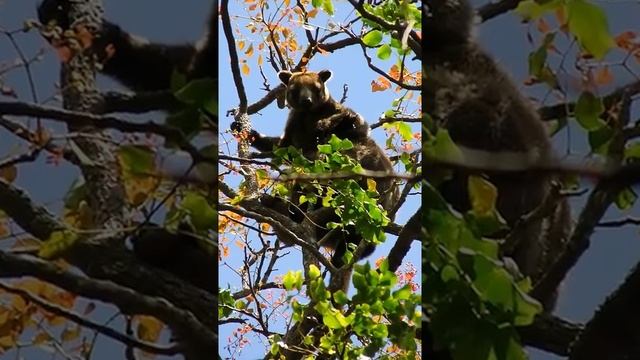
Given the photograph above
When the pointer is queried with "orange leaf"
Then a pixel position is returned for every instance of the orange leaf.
(245, 69)
(394, 72)
(381, 84)
(543, 27)
(626, 40)
(604, 76)
(561, 16)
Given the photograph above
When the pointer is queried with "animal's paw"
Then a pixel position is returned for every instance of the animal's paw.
(235, 126)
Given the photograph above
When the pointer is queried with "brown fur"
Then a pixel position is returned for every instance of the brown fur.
(482, 109)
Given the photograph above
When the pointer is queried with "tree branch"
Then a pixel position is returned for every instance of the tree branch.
(83, 321)
(126, 299)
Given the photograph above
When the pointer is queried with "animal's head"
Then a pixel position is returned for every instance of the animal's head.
(54, 12)
(306, 90)
(448, 22)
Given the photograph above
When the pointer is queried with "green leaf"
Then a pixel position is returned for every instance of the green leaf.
(632, 151)
(198, 91)
(327, 6)
(384, 52)
(187, 120)
(340, 297)
(137, 159)
(626, 198)
(588, 23)
(178, 80)
(325, 149)
(334, 319)
(532, 9)
(292, 280)
(372, 38)
(600, 139)
(224, 298)
(314, 272)
(203, 215)
(588, 110)
(537, 60)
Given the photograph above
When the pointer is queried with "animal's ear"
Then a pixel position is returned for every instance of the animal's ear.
(324, 75)
(284, 76)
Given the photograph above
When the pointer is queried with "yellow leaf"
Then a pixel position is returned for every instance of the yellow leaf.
(42, 136)
(260, 60)
(240, 44)
(245, 69)
(371, 185)
(41, 338)
(7, 342)
(70, 334)
(58, 242)
(4, 229)
(483, 195)
(249, 51)
(4, 316)
(19, 304)
(149, 328)
(9, 173)
(54, 320)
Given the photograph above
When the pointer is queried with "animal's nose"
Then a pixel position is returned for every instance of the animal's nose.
(306, 101)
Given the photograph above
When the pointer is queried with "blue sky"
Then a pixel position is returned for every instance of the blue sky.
(348, 67)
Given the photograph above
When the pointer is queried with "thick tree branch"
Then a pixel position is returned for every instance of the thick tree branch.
(83, 119)
(493, 9)
(138, 103)
(409, 232)
(126, 299)
(613, 332)
(103, 261)
(84, 322)
(550, 333)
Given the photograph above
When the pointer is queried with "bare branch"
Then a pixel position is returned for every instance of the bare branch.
(137, 103)
(235, 68)
(83, 119)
